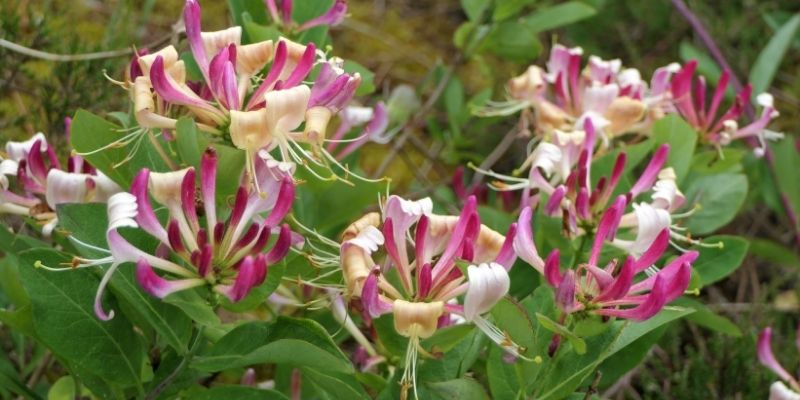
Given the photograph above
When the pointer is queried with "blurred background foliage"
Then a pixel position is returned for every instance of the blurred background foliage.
(418, 43)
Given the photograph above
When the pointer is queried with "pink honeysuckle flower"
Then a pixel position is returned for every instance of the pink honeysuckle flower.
(611, 291)
(562, 97)
(281, 13)
(424, 269)
(689, 98)
(375, 121)
(767, 358)
(32, 182)
(227, 104)
(224, 253)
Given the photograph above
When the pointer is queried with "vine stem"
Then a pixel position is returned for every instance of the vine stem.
(174, 374)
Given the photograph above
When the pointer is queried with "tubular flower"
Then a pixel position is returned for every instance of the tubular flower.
(375, 121)
(235, 101)
(33, 183)
(689, 98)
(225, 253)
(562, 96)
(778, 390)
(418, 279)
(610, 291)
(281, 13)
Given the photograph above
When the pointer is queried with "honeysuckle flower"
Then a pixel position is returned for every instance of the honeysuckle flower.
(418, 291)
(375, 121)
(225, 253)
(39, 183)
(778, 390)
(562, 96)
(689, 97)
(235, 102)
(281, 13)
(610, 291)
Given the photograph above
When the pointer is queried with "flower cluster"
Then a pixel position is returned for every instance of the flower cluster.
(234, 101)
(225, 253)
(689, 97)
(561, 97)
(419, 279)
(33, 182)
(609, 291)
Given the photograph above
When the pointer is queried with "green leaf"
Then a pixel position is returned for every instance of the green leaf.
(719, 196)
(259, 33)
(253, 8)
(187, 142)
(474, 8)
(299, 342)
(503, 380)
(768, 61)
(774, 252)
(334, 385)
(715, 263)
(195, 307)
(787, 159)
(508, 8)
(259, 294)
(682, 140)
(557, 16)
(710, 162)
(708, 319)
(577, 343)
(568, 370)
(512, 319)
(463, 388)
(65, 321)
(90, 133)
(225, 392)
(87, 223)
(64, 389)
(512, 40)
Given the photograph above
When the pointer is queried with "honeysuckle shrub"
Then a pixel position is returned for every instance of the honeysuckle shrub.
(219, 238)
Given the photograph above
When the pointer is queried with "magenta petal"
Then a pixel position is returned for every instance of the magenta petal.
(283, 204)
(621, 284)
(767, 358)
(553, 206)
(681, 91)
(616, 173)
(668, 272)
(239, 206)
(260, 268)
(281, 246)
(334, 16)
(150, 281)
(191, 19)
(370, 297)
(582, 204)
(424, 280)
(565, 292)
(274, 73)
(603, 278)
(145, 216)
(204, 263)
(303, 67)
(188, 193)
(650, 173)
(507, 256)
(648, 308)
(607, 226)
(552, 269)
(229, 89)
(523, 244)
(456, 238)
(679, 282)
(419, 239)
(165, 88)
(208, 186)
(36, 162)
(654, 252)
(244, 280)
(286, 11)
(719, 94)
(174, 236)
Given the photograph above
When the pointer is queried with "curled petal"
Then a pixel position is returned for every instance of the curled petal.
(553, 206)
(523, 244)
(283, 203)
(370, 296)
(158, 286)
(507, 256)
(191, 19)
(668, 272)
(621, 284)
(650, 173)
(334, 16)
(767, 358)
(65, 187)
(648, 308)
(552, 270)
(281, 246)
(654, 252)
(565, 292)
(488, 283)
